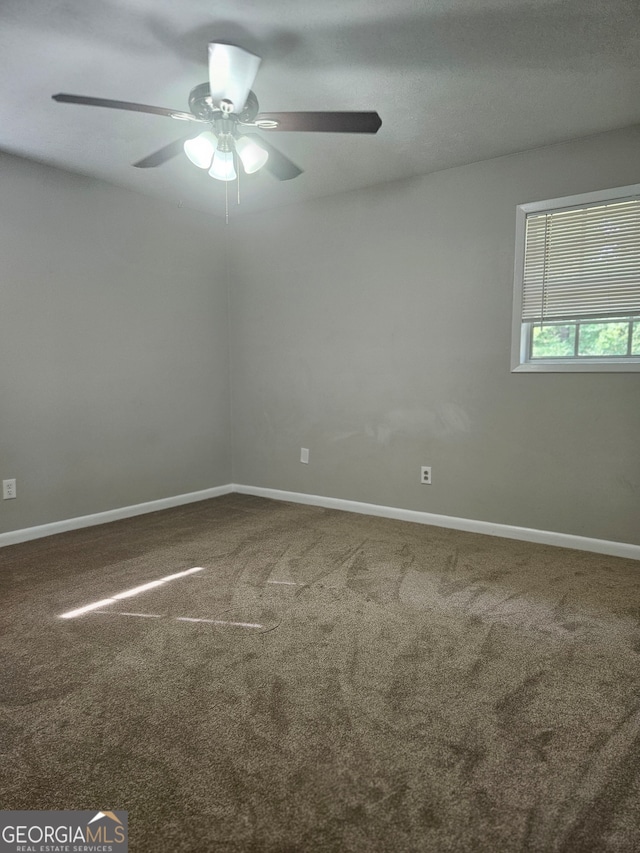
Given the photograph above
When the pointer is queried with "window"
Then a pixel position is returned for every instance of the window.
(576, 300)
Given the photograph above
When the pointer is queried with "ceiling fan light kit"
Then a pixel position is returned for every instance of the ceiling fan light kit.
(227, 106)
(206, 150)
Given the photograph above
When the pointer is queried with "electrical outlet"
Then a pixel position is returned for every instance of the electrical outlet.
(304, 455)
(8, 489)
(425, 475)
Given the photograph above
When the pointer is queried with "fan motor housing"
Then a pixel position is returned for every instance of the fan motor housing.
(202, 106)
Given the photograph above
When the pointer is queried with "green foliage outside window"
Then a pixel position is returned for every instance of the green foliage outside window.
(553, 341)
(603, 339)
(610, 338)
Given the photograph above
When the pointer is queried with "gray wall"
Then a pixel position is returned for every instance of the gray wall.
(114, 383)
(374, 328)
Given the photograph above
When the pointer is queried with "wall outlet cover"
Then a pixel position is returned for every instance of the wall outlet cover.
(8, 489)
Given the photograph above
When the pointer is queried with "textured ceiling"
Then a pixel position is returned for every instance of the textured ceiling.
(454, 81)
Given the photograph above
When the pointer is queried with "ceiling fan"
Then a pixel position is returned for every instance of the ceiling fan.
(227, 107)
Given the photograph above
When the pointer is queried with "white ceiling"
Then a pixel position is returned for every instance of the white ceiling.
(454, 81)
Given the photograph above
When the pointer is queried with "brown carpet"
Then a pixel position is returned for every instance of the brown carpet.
(391, 686)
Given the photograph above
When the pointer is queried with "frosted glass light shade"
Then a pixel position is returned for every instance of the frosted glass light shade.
(201, 149)
(253, 156)
(222, 167)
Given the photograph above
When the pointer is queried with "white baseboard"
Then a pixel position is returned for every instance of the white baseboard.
(24, 535)
(506, 531)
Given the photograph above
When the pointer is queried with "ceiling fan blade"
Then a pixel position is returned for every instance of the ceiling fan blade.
(161, 155)
(123, 105)
(232, 71)
(324, 122)
(278, 163)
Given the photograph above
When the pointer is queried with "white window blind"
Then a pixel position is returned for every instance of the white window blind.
(582, 262)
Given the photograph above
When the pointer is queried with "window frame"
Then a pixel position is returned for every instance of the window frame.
(521, 331)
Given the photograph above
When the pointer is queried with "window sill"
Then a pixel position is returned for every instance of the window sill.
(613, 365)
